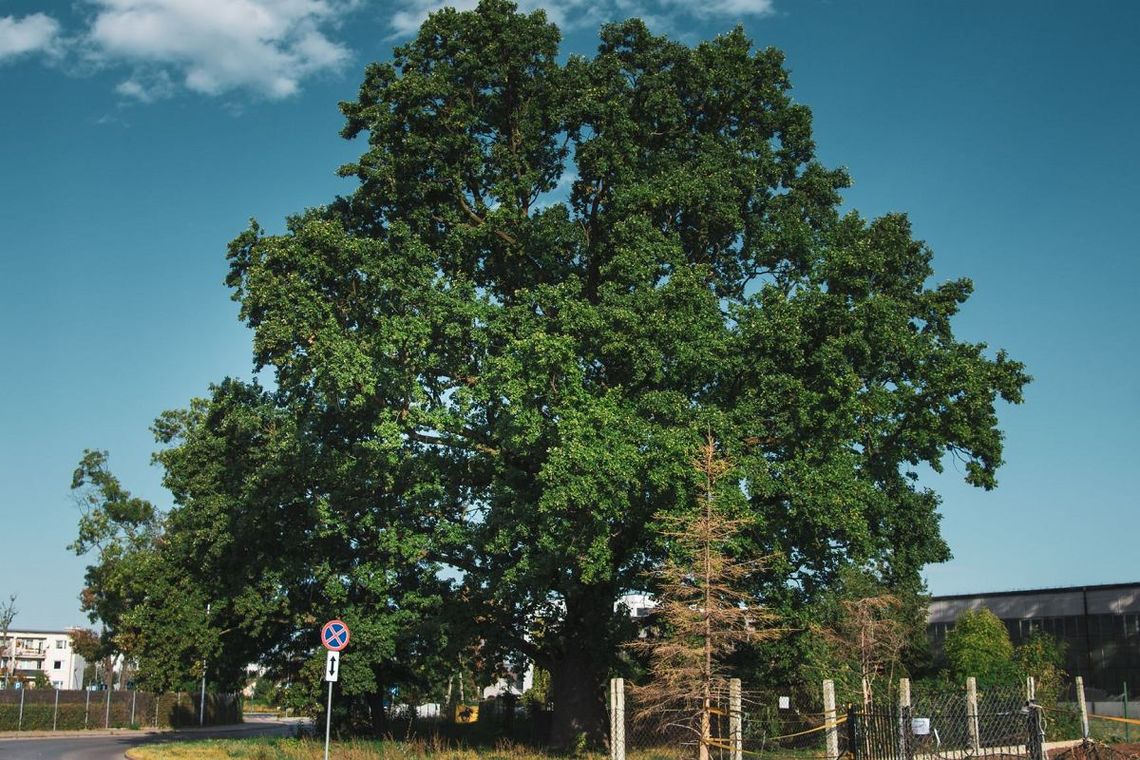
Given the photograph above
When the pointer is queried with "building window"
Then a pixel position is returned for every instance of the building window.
(61, 643)
(57, 665)
(1131, 626)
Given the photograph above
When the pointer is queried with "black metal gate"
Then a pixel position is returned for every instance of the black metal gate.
(943, 726)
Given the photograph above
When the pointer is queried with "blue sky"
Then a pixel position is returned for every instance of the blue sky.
(137, 137)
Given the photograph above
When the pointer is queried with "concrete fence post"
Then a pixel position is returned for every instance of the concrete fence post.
(107, 716)
(904, 719)
(617, 719)
(86, 707)
(735, 720)
(1030, 689)
(972, 713)
(134, 699)
(613, 728)
(829, 717)
(1083, 707)
(55, 712)
(20, 720)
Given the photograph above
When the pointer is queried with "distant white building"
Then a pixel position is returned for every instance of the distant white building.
(634, 605)
(27, 652)
(638, 605)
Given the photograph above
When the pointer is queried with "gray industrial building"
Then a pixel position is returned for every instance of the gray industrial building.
(1099, 626)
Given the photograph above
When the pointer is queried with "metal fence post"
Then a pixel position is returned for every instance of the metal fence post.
(853, 733)
(735, 720)
(904, 719)
(1124, 709)
(832, 734)
(1083, 707)
(972, 713)
(55, 712)
(1035, 741)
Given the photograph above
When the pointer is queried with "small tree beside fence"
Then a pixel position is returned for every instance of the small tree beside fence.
(703, 615)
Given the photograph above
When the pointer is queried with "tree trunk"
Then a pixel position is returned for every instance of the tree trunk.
(579, 667)
(576, 680)
(378, 717)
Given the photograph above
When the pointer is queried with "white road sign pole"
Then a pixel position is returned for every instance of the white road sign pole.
(334, 637)
(332, 672)
(328, 722)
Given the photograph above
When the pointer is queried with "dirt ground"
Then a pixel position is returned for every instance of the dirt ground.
(1097, 751)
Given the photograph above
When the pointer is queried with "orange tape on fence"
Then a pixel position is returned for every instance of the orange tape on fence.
(1092, 716)
(724, 745)
(824, 727)
(1130, 721)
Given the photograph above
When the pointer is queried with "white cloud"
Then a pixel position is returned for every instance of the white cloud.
(576, 14)
(267, 47)
(30, 34)
(147, 87)
(732, 9)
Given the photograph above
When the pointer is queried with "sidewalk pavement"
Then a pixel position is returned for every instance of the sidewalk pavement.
(253, 721)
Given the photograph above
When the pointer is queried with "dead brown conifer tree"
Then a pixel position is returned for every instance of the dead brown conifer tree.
(703, 612)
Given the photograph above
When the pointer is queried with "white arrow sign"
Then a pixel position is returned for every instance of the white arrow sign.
(332, 666)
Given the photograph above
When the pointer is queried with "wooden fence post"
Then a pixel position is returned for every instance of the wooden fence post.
(972, 713)
(829, 718)
(1083, 707)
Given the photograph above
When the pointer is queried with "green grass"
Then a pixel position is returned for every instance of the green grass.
(309, 749)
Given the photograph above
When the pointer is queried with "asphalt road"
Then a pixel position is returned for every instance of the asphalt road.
(113, 747)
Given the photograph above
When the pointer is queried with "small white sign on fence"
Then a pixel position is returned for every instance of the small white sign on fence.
(920, 726)
(785, 703)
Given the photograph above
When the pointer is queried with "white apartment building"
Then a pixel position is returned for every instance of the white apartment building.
(27, 652)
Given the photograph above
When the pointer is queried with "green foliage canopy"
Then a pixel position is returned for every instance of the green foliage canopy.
(488, 389)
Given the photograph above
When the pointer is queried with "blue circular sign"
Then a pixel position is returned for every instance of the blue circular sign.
(334, 635)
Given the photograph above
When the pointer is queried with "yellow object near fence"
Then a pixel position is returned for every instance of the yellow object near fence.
(722, 744)
(467, 713)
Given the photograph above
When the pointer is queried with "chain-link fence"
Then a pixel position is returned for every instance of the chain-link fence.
(774, 722)
(60, 710)
(935, 722)
(959, 721)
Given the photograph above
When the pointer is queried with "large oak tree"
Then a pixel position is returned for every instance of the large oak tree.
(495, 359)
